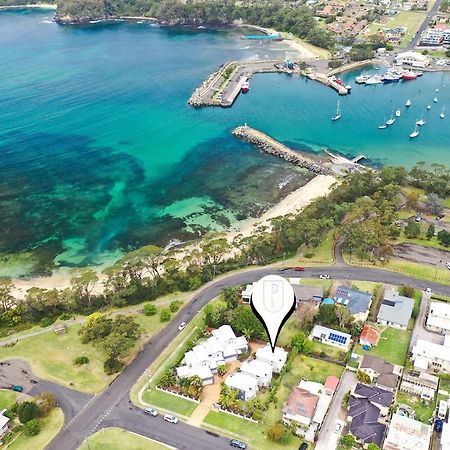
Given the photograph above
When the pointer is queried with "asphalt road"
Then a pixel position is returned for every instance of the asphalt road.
(110, 407)
(433, 11)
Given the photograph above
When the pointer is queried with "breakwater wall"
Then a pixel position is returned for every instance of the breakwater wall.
(275, 148)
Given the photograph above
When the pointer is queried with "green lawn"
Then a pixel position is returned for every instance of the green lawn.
(446, 203)
(393, 346)
(423, 241)
(423, 410)
(322, 254)
(57, 365)
(118, 439)
(365, 286)
(331, 351)
(50, 427)
(169, 402)
(7, 398)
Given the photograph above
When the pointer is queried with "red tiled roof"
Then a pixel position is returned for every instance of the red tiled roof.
(370, 334)
(331, 383)
(301, 402)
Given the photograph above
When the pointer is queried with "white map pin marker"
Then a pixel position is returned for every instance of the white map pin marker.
(273, 301)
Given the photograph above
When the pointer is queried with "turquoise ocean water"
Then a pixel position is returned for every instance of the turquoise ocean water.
(100, 152)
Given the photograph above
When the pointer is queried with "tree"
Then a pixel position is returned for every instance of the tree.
(231, 297)
(430, 232)
(164, 316)
(83, 283)
(373, 446)
(406, 291)
(327, 315)
(412, 230)
(347, 441)
(434, 204)
(444, 237)
(27, 411)
(243, 319)
(412, 200)
(301, 343)
(117, 345)
(46, 402)
(363, 377)
(32, 427)
(149, 309)
(174, 306)
(7, 300)
(343, 314)
(304, 314)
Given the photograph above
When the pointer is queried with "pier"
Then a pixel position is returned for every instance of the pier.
(327, 81)
(275, 148)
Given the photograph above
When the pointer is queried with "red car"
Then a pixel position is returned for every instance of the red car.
(299, 269)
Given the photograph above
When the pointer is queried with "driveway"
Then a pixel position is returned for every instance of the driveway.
(328, 439)
(420, 254)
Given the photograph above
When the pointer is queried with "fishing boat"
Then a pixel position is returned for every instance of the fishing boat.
(337, 116)
(245, 87)
(415, 133)
(408, 103)
(361, 79)
(391, 77)
(376, 79)
(391, 120)
(420, 122)
(348, 87)
(383, 125)
(409, 75)
(398, 113)
(435, 100)
(428, 107)
(442, 114)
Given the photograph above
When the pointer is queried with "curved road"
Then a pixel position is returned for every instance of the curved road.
(113, 408)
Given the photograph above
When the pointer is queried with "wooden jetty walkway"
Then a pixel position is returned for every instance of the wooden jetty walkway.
(275, 148)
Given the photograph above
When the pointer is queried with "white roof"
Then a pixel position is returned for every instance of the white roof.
(445, 436)
(200, 353)
(242, 382)
(318, 330)
(408, 434)
(3, 419)
(321, 408)
(312, 386)
(412, 55)
(203, 372)
(257, 368)
(224, 333)
(421, 363)
(439, 315)
(430, 351)
(265, 353)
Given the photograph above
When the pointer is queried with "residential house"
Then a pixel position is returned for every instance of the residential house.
(439, 317)
(262, 371)
(331, 337)
(364, 424)
(381, 398)
(395, 310)
(246, 385)
(305, 293)
(223, 346)
(4, 423)
(276, 359)
(430, 356)
(370, 336)
(356, 301)
(383, 374)
(300, 406)
(407, 434)
(420, 384)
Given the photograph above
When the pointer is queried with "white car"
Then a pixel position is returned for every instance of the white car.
(338, 427)
(428, 290)
(182, 326)
(447, 264)
(324, 276)
(171, 419)
(151, 412)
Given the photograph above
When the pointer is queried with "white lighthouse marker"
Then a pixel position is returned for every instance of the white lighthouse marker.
(273, 301)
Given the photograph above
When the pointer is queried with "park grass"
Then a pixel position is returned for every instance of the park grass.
(57, 365)
(424, 411)
(393, 346)
(323, 254)
(7, 398)
(365, 286)
(118, 439)
(422, 241)
(50, 427)
(446, 203)
(169, 402)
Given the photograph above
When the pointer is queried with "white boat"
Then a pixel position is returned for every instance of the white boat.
(420, 122)
(337, 116)
(398, 113)
(442, 114)
(415, 133)
(391, 120)
(376, 79)
(437, 90)
(428, 107)
(348, 87)
(383, 125)
(361, 79)
(408, 103)
(435, 100)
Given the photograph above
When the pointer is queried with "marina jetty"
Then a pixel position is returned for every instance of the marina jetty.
(275, 148)
(223, 86)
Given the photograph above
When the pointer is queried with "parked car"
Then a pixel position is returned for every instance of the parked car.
(303, 446)
(418, 219)
(438, 425)
(447, 264)
(337, 428)
(324, 276)
(440, 216)
(428, 290)
(299, 269)
(17, 388)
(238, 444)
(171, 419)
(151, 412)
(182, 326)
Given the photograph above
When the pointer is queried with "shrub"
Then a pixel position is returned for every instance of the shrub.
(27, 411)
(309, 255)
(80, 360)
(32, 427)
(112, 365)
(165, 315)
(257, 415)
(46, 322)
(174, 306)
(46, 402)
(149, 309)
(65, 316)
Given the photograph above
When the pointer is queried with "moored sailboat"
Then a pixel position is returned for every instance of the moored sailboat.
(408, 103)
(415, 133)
(391, 120)
(442, 114)
(337, 116)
